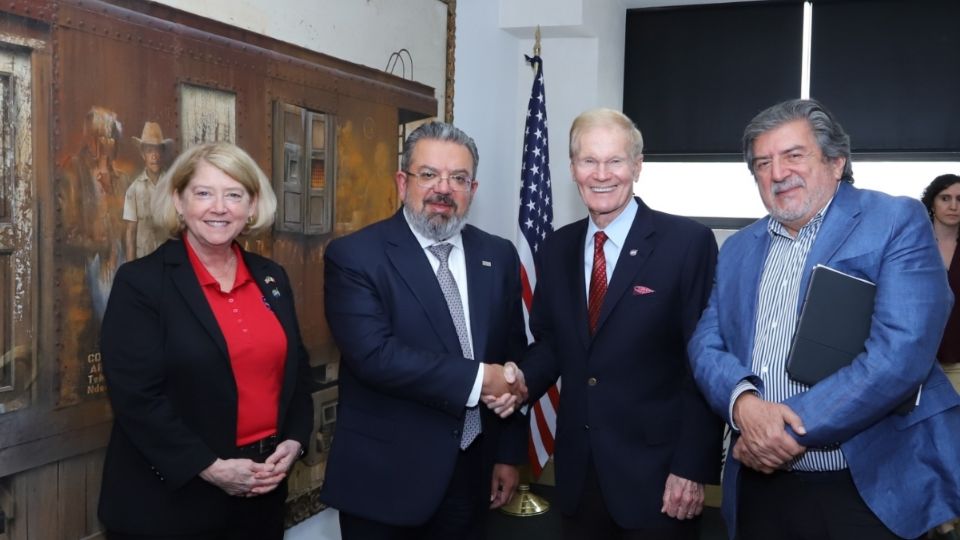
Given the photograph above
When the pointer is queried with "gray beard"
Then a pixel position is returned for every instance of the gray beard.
(438, 228)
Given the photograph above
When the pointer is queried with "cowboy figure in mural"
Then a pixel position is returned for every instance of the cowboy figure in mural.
(140, 234)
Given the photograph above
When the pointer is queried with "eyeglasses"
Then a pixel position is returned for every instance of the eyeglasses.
(762, 165)
(430, 179)
(614, 165)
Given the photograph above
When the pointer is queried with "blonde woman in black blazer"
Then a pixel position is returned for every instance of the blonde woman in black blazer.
(189, 391)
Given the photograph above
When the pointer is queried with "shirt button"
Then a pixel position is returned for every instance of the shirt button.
(235, 310)
(230, 300)
(592, 381)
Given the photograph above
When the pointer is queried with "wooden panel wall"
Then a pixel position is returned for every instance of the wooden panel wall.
(54, 501)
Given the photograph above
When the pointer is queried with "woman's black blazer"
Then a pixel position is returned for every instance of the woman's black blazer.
(173, 393)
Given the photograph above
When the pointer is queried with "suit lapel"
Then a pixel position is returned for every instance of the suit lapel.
(635, 252)
(411, 264)
(480, 273)
(840, 220)
(269, 289)
(748, 285)
(574, 257)
(185, 280)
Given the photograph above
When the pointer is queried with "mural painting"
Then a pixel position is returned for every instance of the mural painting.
(106, 222)
(141, 235)
(207, 114)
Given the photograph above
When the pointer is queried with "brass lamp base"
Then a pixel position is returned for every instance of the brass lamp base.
(525, 504)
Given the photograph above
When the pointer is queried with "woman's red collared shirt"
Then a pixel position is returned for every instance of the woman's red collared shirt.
(256, 343)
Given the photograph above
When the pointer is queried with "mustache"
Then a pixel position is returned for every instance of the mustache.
(441, 198)
(787, 184)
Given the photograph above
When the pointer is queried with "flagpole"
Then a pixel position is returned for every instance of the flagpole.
(535, 222)
(536, 44)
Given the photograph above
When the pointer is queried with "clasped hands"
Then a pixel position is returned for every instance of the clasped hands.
(247, 478)
(504, 388)
(764, 444)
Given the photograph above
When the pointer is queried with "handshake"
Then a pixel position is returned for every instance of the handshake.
(504, 388)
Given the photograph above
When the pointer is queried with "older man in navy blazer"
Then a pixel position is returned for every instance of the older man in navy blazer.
(835, 460)
(619, 294)
(425, 310)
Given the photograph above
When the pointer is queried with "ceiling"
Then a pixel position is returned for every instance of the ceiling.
(631, 4)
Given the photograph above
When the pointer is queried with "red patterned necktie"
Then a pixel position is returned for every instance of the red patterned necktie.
(598, 280)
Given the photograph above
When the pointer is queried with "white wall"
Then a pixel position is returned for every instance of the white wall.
(360, 31)
(582, 49)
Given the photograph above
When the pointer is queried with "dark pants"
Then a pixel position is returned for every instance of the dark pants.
(804, 506)
(593, 521)
(256, 518)
(461, 513)
(253, 518)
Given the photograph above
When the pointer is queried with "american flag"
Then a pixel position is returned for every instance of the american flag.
(535, 222)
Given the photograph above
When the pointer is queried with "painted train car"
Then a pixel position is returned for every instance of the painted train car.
(82, 84)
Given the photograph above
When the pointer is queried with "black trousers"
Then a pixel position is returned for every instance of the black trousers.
(461, 514)
(592, 520)
(804, 506)
(254, 518)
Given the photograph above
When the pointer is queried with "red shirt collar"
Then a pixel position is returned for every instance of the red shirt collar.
(204, 276)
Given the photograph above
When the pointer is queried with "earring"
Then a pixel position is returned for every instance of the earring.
(250, 220)
(179, 217)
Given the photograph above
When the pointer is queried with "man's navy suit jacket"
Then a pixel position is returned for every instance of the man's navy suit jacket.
(628, 403)
(404, 382)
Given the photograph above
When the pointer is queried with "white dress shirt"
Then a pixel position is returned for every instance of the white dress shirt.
(616, 232)
(457, 262)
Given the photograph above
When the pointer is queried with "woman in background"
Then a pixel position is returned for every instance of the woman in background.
(205, 368)
(942, 199)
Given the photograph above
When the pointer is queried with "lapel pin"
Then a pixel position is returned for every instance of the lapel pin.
(275, 293)
(269, 279)
(486, 263)
(633, 253)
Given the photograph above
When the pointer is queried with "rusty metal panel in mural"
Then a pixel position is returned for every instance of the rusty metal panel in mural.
(17, 357)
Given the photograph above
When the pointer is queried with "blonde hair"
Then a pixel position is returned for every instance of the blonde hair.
(606, 118)
(232, 161)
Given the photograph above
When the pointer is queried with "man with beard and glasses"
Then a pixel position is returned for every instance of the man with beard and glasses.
(425, 310)
(842, 458)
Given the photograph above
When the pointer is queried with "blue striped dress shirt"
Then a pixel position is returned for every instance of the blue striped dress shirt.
(777, 316)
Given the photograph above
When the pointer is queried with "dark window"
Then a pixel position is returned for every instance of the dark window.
(694, 76)
(890, 70)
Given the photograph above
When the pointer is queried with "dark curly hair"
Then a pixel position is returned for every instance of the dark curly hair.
(939, 184)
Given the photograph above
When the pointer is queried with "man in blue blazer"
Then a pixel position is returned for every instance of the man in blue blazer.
(835, 460)
(618, 296)
(425, 311)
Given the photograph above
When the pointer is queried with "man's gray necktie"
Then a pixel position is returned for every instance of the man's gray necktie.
(471, 422)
